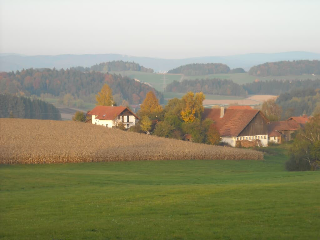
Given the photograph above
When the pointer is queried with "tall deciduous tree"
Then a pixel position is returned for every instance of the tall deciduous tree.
(104, 97)
(192, 106)
(150, 106)
(145, 124)
(271, 110)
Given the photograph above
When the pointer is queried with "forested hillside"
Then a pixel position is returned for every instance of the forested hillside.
(196, 69)
(74, 83)
(299, 101)
(285, 68)
(208, 86)
(276, 87)
(22, 107)
(118, 66)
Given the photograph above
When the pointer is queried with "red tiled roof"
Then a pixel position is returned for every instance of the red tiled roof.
(275, 127)
(240, 107)
(301, 120)
(233, 121)
(108, 112)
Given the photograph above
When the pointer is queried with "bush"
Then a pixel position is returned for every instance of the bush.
(79, 117)
(305, 152)
(297, 164)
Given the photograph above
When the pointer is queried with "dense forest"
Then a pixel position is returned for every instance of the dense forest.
(207, 86)
(118, 66)
(22, 107)
(285, 68)
(299, 101)
(197, 69)
(75, 83)
(276, 87)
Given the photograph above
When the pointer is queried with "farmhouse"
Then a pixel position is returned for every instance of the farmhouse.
(240, 126)
(110, 116)
(281, 131)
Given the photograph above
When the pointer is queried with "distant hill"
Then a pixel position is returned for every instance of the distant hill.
(118, 66)
(12, 62)
(73, 84)
(196, 69)
(286, 68)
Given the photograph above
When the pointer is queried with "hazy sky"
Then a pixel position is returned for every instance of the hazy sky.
(164, 28)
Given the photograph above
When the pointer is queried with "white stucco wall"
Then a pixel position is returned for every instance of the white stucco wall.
(230, 140)
(115, 122)
(105, 123)
(274, 139)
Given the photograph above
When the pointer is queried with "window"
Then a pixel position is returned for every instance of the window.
(128, 118)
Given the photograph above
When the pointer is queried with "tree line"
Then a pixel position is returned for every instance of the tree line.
(298, 102)
(208, 86)
(277, 87)
(285, 68)
(118, 66)
(196, 69)
(22, 107)
(78, 84)
(179, 119)
(228, 87)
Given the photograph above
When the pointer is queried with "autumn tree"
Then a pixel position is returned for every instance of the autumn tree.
(271, 110)
(104, 97)
(213, 135)
(150, 106)
(145, 123)
(305, 152)
(192, 106)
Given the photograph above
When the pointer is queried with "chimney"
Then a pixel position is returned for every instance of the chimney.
(221, 112)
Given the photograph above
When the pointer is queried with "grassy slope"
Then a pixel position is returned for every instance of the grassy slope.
(240, 78)
(159, 200)
(156, 80)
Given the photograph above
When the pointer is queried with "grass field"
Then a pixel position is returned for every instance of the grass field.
(239, 78)
(156, 80)
(197, 199)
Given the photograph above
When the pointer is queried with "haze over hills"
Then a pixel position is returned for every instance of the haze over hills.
(13, 62)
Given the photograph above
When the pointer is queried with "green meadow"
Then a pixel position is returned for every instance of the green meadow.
(239, 78)
(158, 81)
(160, 200)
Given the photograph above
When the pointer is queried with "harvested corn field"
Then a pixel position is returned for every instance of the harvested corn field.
(43, 141)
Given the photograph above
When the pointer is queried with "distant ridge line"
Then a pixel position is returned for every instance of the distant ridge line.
(14, 62)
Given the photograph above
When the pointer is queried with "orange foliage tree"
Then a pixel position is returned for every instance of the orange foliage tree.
(150, 106)
(193, 107)
(104, 97)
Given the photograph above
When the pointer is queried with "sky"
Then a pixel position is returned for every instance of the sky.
(163, 29)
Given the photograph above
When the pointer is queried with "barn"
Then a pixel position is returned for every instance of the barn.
(239, 126)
